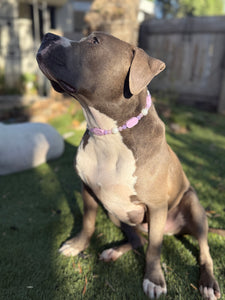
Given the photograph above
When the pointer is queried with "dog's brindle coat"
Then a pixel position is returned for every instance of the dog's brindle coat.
(134, 173)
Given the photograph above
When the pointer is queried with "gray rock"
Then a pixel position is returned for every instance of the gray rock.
(27, 145)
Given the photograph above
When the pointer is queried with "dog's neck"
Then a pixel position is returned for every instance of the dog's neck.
(100, 124)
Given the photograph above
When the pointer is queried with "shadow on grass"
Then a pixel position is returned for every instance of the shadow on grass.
(33, 209)
(204, 164)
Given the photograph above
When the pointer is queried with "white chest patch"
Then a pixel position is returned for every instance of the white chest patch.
(107, 166)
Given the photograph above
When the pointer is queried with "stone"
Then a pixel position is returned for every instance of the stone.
(27, 145)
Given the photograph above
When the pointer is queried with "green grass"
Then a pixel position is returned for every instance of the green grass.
(41, 208)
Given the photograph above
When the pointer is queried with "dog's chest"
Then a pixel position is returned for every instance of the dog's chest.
(107, 166)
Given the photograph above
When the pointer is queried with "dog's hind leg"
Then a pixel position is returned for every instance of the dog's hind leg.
(80, 242)
(135, 240)
(196, 225)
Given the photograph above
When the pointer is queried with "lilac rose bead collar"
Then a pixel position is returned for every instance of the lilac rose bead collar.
(129, 124)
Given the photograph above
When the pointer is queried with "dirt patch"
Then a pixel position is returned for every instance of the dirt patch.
(42, 110)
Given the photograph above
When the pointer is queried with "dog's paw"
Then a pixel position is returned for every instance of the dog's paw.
(152, 290)
(208, 286)
(209, 293)
(68, 250)
(110, 255)
(74, 246)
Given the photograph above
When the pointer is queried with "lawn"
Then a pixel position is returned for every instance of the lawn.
(41, 208)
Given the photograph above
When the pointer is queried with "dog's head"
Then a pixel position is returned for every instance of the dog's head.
(99, 65)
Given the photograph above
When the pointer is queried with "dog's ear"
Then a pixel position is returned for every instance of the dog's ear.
(142, 70)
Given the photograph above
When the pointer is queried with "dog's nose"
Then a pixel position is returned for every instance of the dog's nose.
(50, 37)
(47, 40)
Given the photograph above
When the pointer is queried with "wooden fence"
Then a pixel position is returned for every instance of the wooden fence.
(193, 49)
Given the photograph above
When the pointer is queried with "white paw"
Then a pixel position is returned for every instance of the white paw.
(68, 250)
(207, 293)
(110, 255)
(152, 290)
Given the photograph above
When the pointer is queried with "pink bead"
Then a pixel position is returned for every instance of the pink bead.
(98, 131)
(148, 101)
(132, 122)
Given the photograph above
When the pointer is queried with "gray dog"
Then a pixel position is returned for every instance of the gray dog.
(124, 160)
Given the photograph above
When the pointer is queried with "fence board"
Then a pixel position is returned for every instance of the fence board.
(194, 52)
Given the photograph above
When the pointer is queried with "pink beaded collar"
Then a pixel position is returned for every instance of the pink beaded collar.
(129, 124)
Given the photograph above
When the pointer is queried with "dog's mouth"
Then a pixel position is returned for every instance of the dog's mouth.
(59, 85)
(67, 87)
(45, 70)
(63, 87)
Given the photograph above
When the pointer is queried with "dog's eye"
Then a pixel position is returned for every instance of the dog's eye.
(95, 40)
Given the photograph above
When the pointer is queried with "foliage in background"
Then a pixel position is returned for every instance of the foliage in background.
(6, 90)
(182, 8)
(27, 84)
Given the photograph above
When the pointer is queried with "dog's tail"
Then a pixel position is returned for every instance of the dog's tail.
(217, 231)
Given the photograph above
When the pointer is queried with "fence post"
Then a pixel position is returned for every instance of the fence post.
(221, 104)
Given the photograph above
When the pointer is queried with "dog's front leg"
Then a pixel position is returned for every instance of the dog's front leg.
(80, 242)
(154, 283)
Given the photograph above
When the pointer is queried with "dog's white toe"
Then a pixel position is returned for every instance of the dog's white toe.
(68, 250)
(152, 290)
(110, 255)
(207, 293)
